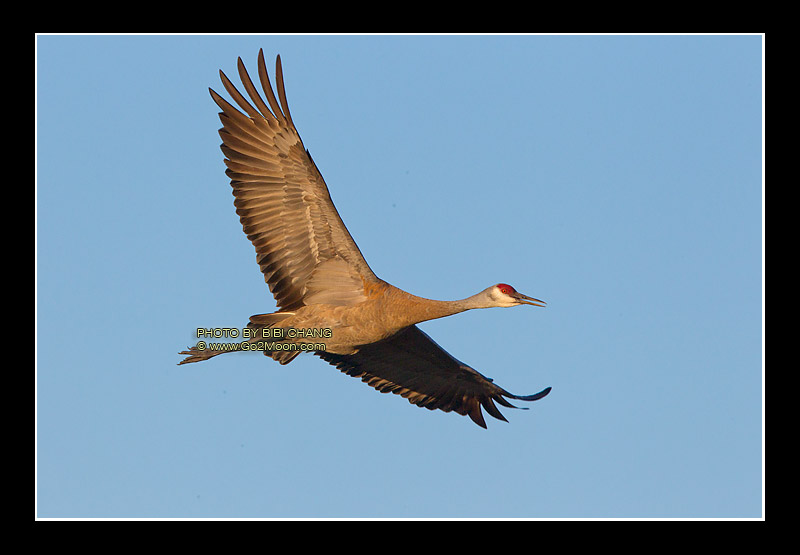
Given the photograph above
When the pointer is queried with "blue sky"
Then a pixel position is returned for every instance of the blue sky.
(619, 178)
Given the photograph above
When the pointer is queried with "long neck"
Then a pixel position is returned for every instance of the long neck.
(413, 309)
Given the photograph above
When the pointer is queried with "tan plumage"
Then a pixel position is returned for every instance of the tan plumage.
(319, 277)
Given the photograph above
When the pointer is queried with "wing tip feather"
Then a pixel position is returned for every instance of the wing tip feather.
(534, 397)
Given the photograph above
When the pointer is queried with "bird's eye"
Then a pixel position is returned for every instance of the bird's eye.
(505, 289)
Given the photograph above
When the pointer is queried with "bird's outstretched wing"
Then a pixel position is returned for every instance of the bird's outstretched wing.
(302, 246)
(412, 365)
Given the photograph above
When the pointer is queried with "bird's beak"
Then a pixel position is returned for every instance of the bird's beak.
(525, 299)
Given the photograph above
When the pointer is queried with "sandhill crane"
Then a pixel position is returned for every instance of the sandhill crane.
(320, 279)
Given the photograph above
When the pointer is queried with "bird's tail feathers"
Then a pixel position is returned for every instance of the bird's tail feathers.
(198, 353)
(275, 319)
(201, 351)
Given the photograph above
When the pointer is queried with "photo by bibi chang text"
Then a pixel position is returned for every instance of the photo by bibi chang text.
(282, 339)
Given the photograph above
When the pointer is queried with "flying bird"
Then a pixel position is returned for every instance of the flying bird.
(320, 279)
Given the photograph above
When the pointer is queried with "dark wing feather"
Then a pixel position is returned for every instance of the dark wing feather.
(302, 246)
(412, 365)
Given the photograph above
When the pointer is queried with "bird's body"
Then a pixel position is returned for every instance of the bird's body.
(385, 311)
(320, 278)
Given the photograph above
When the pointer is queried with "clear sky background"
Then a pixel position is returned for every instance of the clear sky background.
(619, 178)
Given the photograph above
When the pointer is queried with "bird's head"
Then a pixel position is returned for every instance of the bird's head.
(504, 295)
